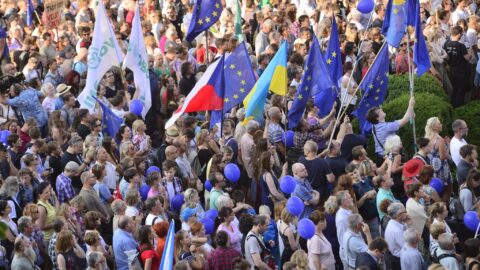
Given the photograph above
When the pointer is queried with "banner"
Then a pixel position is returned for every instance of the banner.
(102, 54)
(137, 61)
(52, 15)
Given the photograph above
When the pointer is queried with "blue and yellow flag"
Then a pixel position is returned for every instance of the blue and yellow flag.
(374, 86)
(205, 14)
(274, 78)
(333, 55)
(420, 51)
(110, 121)
(397, 16)
(313, 81)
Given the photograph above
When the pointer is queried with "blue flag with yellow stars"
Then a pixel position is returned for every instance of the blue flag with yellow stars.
(110, 122)
(420, 51)
(333, 56)
(398, 15)
(313, 81)
(30, 11)
(205, 14)
(374, 87)
(238, 72)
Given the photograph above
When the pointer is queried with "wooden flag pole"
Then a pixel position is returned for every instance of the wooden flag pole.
(411, 78)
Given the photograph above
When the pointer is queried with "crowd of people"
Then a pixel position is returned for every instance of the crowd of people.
(73, 196)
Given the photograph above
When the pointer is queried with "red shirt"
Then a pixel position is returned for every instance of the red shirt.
(150, 253)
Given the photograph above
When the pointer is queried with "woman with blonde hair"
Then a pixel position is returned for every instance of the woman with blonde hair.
(192, 200)
(393, 151)
(300, 259)
(65, 214)
(186, 251)
(439, 155)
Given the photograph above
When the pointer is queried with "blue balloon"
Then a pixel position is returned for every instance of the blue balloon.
(288, 138)
(365, 6)
(287, 184)
(209, 225)
(136, 107)
(295, 206)
(177, 202)
(232, 172)
(471, 220)
(152, 169)
(208, 185)
(211, 214)
(144, 189)
(437, 184)
(306, 228)
(4, 135)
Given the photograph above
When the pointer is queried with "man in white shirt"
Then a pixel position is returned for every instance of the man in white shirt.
(460, 130)
(154, 206)
(352, 241)
(410, 257)
(445, 253)
(394, 233)
(345, 202)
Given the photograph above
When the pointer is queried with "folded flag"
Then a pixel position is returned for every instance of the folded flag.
(205, 14)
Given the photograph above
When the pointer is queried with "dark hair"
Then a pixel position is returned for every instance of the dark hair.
(472, 247)
(456, 30)
(422, 142)
(224, 213)
(467, 150)
(245, 224)
(168, 164)
(378, 244)
(357, 152)
(412, 188)
(3, 206)
(39, 190)
(90, 220)
(58, 225)
(221, 239)
(12, 139)
(372, 115)
(238, 196)
(120, 132)
(129, 174)
(473, 176)
(144, 235)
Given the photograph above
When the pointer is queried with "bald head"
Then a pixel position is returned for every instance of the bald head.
(299, 171)
(125, 223)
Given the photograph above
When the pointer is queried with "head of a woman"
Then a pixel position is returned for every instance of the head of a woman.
(433, 127)
(197, 229)
(473, 179)
(226, 215)
(42, 191)
(319, 220)
(392, 143)
(191, 197)
(286, 217)
(145, 235)
(64, 242)
(5, 208)
(182, 241)
(161, 229)
(31, 210)
(438, 210)
(472, 248)
(91, 220)
(202, 137)
(98, 171)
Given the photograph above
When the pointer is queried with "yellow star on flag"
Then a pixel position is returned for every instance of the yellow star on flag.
(378, 90)
(309, 78)
(370, 86)
(306, 69)
(334, 54)
(227, 100)
(232, 66)
(242, 90)
(200, 21)
(381, 82)
(243, 82)
(376, 98)
(207, 19)
(214, 14)
(217, 5)
(306, 88)
(329, 61)
(235, 96)
(395, 10)
(239, 73)
(300, 97)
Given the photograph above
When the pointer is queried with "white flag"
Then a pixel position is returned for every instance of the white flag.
(137, 61)
(103, 53)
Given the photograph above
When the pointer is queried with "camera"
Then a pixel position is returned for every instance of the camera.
(7, 81)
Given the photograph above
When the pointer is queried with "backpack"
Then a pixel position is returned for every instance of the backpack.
(456, 207)
(437, 259)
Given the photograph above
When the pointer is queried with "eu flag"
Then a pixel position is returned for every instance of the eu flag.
(374, 87)
(110, 122)
(420, 51)
(30, 11)
(397, 16)
(205, 14)
(314, 81)
(333, 54)
(238, 72)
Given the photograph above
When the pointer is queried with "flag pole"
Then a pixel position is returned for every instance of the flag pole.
(206, 47)
(340, 114)
(411, 79)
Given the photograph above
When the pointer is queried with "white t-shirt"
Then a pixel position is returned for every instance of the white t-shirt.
(455, 145)
(151, 217)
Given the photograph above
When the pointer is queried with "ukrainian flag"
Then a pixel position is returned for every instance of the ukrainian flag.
(274, 78)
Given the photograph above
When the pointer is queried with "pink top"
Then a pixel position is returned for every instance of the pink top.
(235, 235)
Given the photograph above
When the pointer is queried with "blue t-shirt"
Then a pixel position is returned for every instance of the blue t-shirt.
(103, 192)
(382, 131)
